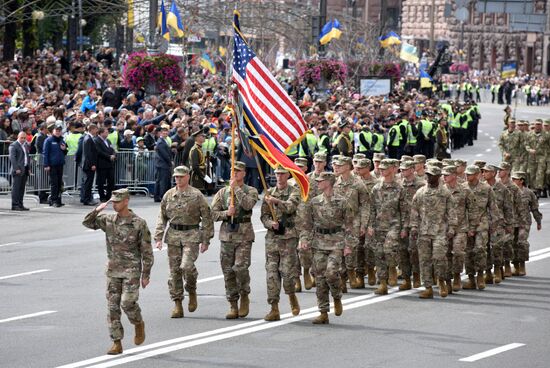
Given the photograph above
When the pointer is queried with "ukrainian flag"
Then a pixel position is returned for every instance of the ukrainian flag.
(389, 39)
(207, 63)
(330, 31)
(425, 80)
(164, 32)
(174, 20)
(213, 128)
(409, 53)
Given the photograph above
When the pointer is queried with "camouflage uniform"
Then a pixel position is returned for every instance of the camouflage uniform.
(280, 249)
(529, 204)
(537, 161)
(523, 154)
(510, 239)
(510, 146)
(236, 239)
(408, 250)
(183, 211)
(327, 224)
(130, 256)
(433, 216)
(365, 254)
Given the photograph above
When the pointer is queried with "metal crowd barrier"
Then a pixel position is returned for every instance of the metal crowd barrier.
(135, 170)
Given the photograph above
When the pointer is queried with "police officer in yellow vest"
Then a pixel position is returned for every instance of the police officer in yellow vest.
(394, 138)
(306, 148)
(426, 136)
(377, 145)
(113, 133)
(73, 137)
(365, 141)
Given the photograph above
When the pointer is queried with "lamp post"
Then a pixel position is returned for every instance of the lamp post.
(153, 45)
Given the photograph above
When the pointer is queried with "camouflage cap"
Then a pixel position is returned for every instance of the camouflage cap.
(449, 170)
(538, 122)
(386, 163)
(181, 171)
(419, 159)
(359, 156)
(460, 162)
(378, 157)
(281, 170)
(480, 163)
(406, 165)
(490, 167)
(472, 169)
(240, 166)
(547, 122)
(519, 175)
(363, 163)
(448, 162)
(433, 170)
(301, 161)
(320, 156)
(119, 195)
(326, 176)
(342, 160)
(406, 158)
(434, 162)
(335, 158)
(505, 166)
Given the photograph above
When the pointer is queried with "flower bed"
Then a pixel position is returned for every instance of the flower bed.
(312, 71)
(157, 72)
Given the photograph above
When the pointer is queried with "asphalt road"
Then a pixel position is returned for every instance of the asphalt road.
(53, 307)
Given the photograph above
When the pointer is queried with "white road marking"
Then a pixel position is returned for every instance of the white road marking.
(26, 316)
(206, 279)
(540, 251)
(491, 137)
(491, 352)
(8, 244)
(488, 150)
(23, 274)
(479, 155)
(539, 257)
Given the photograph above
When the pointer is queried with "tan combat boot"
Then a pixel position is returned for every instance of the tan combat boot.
(352, 276)
(522, 271)
(507, 270)
(497, 278)
(192, 301)
(392, 276)
(139, 338)
(443, 288)
(273, 315)
(244, 307)
(360, 280)
(294, 306)
(233, 311)
(416, 280)
(382, 288)
(322, 319)
(516, 269)
(116, 348)
(406, 285)
(489, 277)
(457, 282)
(371, 276)
(308, 280)
(427, 294)
(338, 307)
(471, 284)
(177, 312)
(480, 280)
(298, 285)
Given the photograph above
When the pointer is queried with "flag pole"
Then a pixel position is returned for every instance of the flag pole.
(264, 184)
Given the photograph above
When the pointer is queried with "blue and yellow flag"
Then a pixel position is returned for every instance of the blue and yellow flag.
(222, 50)
(391, 38)
(409, 53)
(330, 31)
(207, 63)
(425, 80)
(174, 20)
(164, 32)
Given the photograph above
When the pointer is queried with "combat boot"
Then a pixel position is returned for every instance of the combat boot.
(338, 307)
(516, 269)
(298, 285)
(416, 280)
(480, 280)
(177, 312)
(371, 276)
(457, 282)
(471, 284)
(116, 348)
(322, 319)
(406, 285)
(392, 276)
(192, 301)
(139, 338)
(488, 277)
(382, 288)
(244, 307)
(427, 294)
(352, 276)
(273, 315)
(522, 269)
(308, 280)
(360, 280)
(233, 311)
(343, 285)
(294, 306)
(497, 278)
(443, 288)
(507, 270)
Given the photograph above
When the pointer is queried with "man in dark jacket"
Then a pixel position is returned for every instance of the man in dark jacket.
(89, 166)
(105, 165)
(163, 166)
(54, 153)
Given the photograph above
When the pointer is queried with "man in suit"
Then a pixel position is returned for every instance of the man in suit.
(163, 166)
(105, 164)
(89, 166)
(19, 160)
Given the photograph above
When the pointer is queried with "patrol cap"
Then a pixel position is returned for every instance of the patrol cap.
(434, 162)
(505, 166)
(538, 122)
(343, 160)
(386, 164)
(300, 161)
(448, 162)
(119, 195)
(547, 122)
(326, 176)
(406, 165)
(335, 158)
(433, 170)
(320, 156)
(490, 167)
(240, 166)
(419, 159)
(460, 162)
(181, 171)
(519, 175)
(406, 158)
(378, 157)
(363, 163)
(472, 169)
(449, 170)
(359, 156)
(281, 170)
(480, 163)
